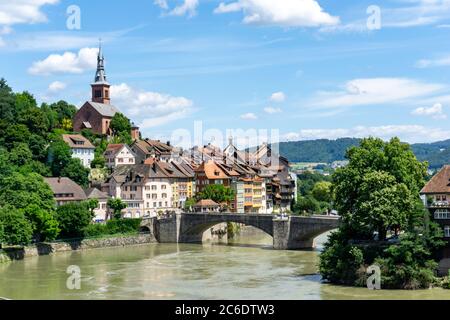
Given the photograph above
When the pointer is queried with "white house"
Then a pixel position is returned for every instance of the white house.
(81, 148)
(101, 212)
(119, 154)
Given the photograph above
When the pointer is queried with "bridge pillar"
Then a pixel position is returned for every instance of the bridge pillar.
(168, 230)
(281, 230)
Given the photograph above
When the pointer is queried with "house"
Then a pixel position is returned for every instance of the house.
(151, 149)
(436, 197)
(207, 206)
(65, 190)
(210, 172)
(101, 212)
(81, 148)
(150, 188)
(96, 115)
(119, 154)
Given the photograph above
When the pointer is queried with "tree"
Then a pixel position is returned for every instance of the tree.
(306, 204)
(17, 229)
(67, 125)
(190, 203)
(16, 133)
(218, 193)
(116, 205)
(92, 204)
(322, 191)
(379, 192)
(44, 224)
(20, 154)
(375, 170)
(7, 99)
(77, 172)
(59, 155)
(21, 191)
(121, 128)
(73, 218)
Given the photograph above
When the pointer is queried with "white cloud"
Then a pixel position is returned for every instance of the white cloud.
(375, 91)
(426, 63)
(249, 116)
(435, 112)
(23, 11)
(188, 7)
(69, 62)
(408, 133)
(272, 110)
(288, 13)
(56, 86)
(150, 109)
(278, 97)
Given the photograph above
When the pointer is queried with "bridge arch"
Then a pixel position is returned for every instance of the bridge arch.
(193, 226)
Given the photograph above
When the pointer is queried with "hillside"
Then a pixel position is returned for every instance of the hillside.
(323, 150)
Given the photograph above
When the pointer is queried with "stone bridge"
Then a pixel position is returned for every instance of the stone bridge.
(292, 232)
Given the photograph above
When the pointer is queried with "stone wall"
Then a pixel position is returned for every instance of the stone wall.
(85, 244)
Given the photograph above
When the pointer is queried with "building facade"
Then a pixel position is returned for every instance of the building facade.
(81, 148)
(119, 154)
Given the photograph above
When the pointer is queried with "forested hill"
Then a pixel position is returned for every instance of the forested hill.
(323, 150)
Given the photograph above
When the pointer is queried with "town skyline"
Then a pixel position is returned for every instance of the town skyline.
(167, 71)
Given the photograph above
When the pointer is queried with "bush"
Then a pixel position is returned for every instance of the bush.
(116, 226)
(95, 230)
(112, 227)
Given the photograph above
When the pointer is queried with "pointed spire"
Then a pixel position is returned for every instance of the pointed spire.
(100, 75)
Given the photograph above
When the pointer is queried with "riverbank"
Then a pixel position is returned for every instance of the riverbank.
(44, 249)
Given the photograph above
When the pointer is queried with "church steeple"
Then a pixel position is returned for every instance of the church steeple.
(100, 87)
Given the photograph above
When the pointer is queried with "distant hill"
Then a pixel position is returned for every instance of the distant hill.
(323, 150)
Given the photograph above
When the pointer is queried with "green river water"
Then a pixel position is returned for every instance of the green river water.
(245, 269)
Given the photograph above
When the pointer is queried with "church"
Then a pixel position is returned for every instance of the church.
(96, 115)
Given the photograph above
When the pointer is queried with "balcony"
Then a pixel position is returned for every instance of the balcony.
(440, 204)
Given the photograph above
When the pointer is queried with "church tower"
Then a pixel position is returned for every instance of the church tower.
(100, 87)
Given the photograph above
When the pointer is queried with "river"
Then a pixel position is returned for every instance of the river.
(246, 269)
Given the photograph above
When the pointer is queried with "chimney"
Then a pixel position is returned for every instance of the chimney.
(168, 143)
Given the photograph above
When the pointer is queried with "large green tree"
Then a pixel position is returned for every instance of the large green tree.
(377, 193)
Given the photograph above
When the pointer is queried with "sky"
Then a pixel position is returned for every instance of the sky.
(307, 69)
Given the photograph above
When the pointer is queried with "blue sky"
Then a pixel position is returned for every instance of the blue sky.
(311, 69)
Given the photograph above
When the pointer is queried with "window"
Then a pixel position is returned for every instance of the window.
(163, 187)
(154, 196)
(447, 231)
(164, 195)
(107, 94)
(120, 160)
(154, 204)
(441, 214)
(98, 94)
(154, 187)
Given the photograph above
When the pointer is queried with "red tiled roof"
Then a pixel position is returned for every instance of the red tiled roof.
(440, 183)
